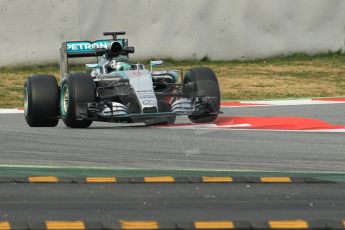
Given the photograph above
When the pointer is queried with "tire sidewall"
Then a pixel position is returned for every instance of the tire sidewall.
(70, 113)
(28, 110)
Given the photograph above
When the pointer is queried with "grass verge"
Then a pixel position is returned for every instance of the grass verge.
(293, 76)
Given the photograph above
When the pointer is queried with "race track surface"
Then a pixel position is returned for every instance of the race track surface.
(300, 146)
(139, 147)
(171, 202)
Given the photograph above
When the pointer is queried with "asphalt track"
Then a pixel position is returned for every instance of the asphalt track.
(131, 146)
(139, 147)
(171, 202)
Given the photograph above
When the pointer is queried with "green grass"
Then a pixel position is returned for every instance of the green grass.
(293, 76)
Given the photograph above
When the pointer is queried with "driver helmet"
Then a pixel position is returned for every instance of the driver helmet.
(120, 63)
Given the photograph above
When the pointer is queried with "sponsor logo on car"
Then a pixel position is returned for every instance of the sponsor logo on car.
(86, 46)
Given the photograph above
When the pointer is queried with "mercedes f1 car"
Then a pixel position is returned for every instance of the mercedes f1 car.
(115, 90)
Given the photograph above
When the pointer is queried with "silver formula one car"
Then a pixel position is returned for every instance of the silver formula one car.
(115, 90)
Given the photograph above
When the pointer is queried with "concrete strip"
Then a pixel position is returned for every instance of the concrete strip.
(11, 111)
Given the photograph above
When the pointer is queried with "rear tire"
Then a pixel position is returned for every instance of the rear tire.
(41, 101)
(206, 85)
(77, 88)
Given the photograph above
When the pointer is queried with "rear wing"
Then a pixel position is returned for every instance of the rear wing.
(79, 49)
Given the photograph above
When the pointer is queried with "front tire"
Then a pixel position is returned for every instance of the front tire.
(205, 85)
(41, 100)
(77, 88)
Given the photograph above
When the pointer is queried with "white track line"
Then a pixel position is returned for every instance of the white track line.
(226, 128)
(298, 102)
(259, 103)
(10, 111)
(285, 102)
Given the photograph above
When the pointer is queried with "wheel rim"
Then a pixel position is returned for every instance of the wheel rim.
(64, 100)
(26, 101)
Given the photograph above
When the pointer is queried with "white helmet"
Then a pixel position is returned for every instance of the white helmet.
(113, 64)
(119, 65)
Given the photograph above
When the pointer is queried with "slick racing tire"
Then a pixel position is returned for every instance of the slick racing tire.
(76, 88)
(41, 101)
(205, 85)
